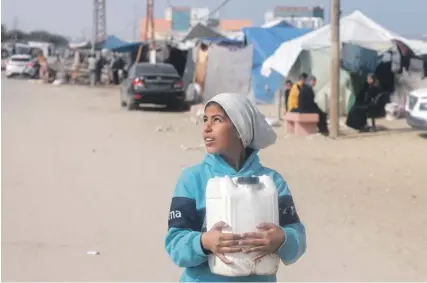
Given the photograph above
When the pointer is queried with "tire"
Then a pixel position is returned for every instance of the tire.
(180, 105)
(130, 104)
(122, 102)
(186, 106)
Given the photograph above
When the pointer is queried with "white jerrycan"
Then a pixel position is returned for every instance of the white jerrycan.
(243, 203)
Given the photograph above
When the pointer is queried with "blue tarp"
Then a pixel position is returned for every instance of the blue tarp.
(355, 58)
(115, 44)
(266, 41)
(219, 40)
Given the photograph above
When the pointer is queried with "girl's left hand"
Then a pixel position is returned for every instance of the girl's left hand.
(266, 242)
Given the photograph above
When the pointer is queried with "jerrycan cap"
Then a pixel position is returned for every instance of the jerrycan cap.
(248, 180)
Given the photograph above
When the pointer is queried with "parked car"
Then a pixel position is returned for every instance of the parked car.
(147, 83)
(17, 65)
(416, 109)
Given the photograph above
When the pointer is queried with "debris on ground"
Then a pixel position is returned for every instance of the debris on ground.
(164, 129)
(274, 122)
(93, 253)
(199, 147)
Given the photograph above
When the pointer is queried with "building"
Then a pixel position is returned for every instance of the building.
(298, 16)
(162, 28)
(228, 25)
(179, 20)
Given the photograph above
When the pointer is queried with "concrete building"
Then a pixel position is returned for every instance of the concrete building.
(178, 20)
(229, 25)
(298, 16)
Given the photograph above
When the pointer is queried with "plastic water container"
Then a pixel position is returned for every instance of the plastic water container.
(243, 203)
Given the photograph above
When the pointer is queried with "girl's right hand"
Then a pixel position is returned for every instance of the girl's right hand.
(220, 243)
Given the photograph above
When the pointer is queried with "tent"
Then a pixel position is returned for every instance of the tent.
(202, 31)
(265, 41)
(311, 53)
(277, 23)
(355, 28)
(115, 44)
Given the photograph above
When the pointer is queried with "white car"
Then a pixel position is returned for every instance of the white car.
(416, 109)
(17, 64)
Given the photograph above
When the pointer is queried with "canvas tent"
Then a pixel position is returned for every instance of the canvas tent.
(277, 23)
(355, 28)
(228, 70)
(311, 53)
(265, 41)
(115, 44)
(202, 31)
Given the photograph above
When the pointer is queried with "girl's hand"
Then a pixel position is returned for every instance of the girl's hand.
(266, 242)
(220, 243)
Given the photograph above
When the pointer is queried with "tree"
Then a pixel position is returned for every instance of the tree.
(3, 32)
(37, 35)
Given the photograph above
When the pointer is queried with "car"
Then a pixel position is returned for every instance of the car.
(147, 83)
(416, 109)
(17, 65)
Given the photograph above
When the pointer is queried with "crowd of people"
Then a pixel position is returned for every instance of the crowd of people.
(300, 97)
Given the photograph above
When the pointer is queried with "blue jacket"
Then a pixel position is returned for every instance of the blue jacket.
(187, 217)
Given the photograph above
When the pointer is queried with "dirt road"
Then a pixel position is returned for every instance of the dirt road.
(79, 173)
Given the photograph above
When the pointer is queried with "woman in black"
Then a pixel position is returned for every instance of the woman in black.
(358, 115)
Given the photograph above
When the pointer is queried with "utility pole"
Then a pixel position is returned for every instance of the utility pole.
(149, 33)
(335, 67)
(135, 23)
(99, 22)
(15, 29)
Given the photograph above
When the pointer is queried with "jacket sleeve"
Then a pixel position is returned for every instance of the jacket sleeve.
(294, 245)
(183, 239)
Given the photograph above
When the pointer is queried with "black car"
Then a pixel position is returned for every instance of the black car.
(158, 84)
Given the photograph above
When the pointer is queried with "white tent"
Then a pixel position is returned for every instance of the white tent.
(310, 53)
(355, 28)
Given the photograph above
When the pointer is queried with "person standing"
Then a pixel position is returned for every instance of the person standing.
(92, 69)
(234, 131)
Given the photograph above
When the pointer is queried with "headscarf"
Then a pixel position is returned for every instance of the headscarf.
(250, 123)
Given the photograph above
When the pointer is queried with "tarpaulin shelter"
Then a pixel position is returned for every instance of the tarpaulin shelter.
(311, 53)
(115, 44)
(202, 31)
(265, 42)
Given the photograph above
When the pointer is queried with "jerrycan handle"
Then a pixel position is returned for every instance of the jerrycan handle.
(249, 180)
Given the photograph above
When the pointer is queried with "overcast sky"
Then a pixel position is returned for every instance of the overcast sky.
(73, 17)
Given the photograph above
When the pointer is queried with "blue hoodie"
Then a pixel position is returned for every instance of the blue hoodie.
(187, 219)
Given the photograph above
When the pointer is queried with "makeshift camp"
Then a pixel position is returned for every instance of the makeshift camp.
(265, 42)
(310, 53)
(228, 70)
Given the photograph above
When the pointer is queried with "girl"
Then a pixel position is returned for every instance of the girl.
(234, 131)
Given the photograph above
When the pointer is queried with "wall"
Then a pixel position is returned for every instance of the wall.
(181, 19)
(293, 11)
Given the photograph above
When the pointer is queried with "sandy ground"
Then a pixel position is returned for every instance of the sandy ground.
(79, 173)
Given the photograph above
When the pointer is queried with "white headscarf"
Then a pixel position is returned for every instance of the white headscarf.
(250, 123)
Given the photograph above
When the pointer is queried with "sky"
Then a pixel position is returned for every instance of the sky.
(72, 18)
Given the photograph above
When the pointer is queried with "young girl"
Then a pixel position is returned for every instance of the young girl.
(234, 131)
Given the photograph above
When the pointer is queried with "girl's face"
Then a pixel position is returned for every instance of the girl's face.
(370, 80)
(219, 134)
